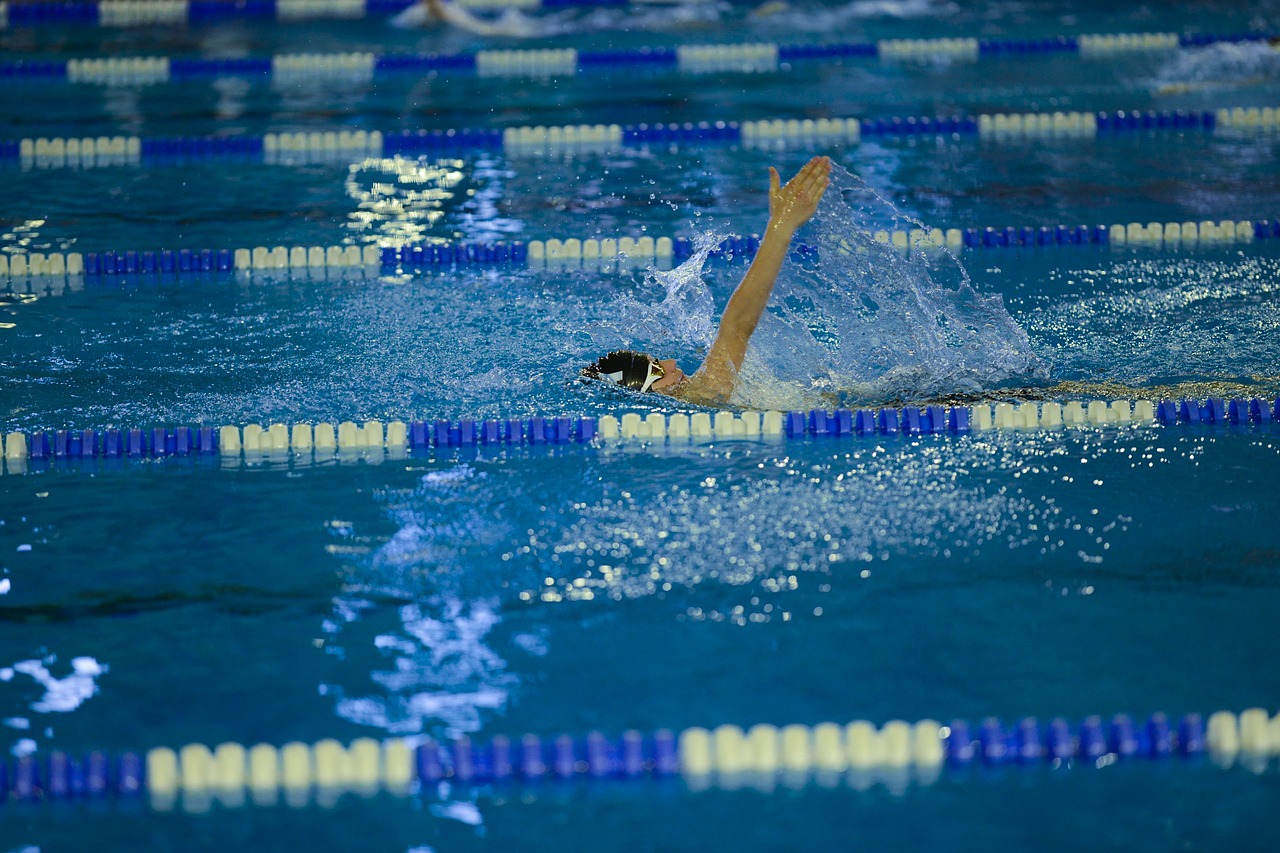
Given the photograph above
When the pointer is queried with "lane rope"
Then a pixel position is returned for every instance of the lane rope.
(292, 149)
(36, 270)
(728, 756)
(686, 59)
(373, 440)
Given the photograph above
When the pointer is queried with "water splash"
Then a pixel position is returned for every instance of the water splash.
(61, 694)
(861, 321)
(678, 17)
(852, 320)
(1225, 65)
(849, 18)
(685, 316)
(901, 9)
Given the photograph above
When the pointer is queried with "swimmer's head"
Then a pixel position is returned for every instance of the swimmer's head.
(628, 368)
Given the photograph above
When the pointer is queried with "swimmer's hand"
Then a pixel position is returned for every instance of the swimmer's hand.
(792, 204)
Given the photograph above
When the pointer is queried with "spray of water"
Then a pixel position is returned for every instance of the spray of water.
(1225, 65)
(853, 320)
(861, 321)
(686, 316)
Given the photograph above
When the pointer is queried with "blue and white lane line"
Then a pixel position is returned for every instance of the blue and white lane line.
(347, 146)
(36, 450)
(40, 270)
(234, 775)
(751, 58)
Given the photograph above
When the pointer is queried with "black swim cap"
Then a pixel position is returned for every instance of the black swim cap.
(628, 368)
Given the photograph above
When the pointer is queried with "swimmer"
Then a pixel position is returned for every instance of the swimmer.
(420, 14)
(790, 206)
(1225, 65)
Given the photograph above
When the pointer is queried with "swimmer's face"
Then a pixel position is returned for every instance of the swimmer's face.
(672, 375)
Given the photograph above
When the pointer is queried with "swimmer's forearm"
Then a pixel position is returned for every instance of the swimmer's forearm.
(790, 206)
(762, 275)
(742, 314)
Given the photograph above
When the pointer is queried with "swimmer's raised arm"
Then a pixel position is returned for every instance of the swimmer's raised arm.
(790, 206)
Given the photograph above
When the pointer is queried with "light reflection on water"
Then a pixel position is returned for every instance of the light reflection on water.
(62, 695)
(442, 671)
(413, 200)
(400, 199)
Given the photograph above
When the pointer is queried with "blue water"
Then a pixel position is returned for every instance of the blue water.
(508, 590)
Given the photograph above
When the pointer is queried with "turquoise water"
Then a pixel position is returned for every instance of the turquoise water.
(533, 589)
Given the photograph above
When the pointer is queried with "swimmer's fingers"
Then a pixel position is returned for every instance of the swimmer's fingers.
(802, 193)
(815, 165)
(792, 204)
(814, 176)
(811, 181)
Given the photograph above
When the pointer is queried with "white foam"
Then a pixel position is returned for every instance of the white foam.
(1224, 65)
(865, 322)
(462, 812)
(63, 694)
(442, 672)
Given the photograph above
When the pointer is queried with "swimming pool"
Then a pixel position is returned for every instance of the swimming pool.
(495, 588)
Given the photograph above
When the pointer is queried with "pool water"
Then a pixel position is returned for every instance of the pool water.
(569, 588)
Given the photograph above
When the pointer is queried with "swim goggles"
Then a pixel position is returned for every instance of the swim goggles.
(655, 373)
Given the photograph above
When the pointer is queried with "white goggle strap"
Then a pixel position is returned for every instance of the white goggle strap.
(650, 378)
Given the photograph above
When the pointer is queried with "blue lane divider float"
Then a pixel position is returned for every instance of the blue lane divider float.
(344, 146)
(38, 448)
(687, 59)
(114, 13)
(234, 775)
(555, 253)
(293, 67)
(133, 13)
